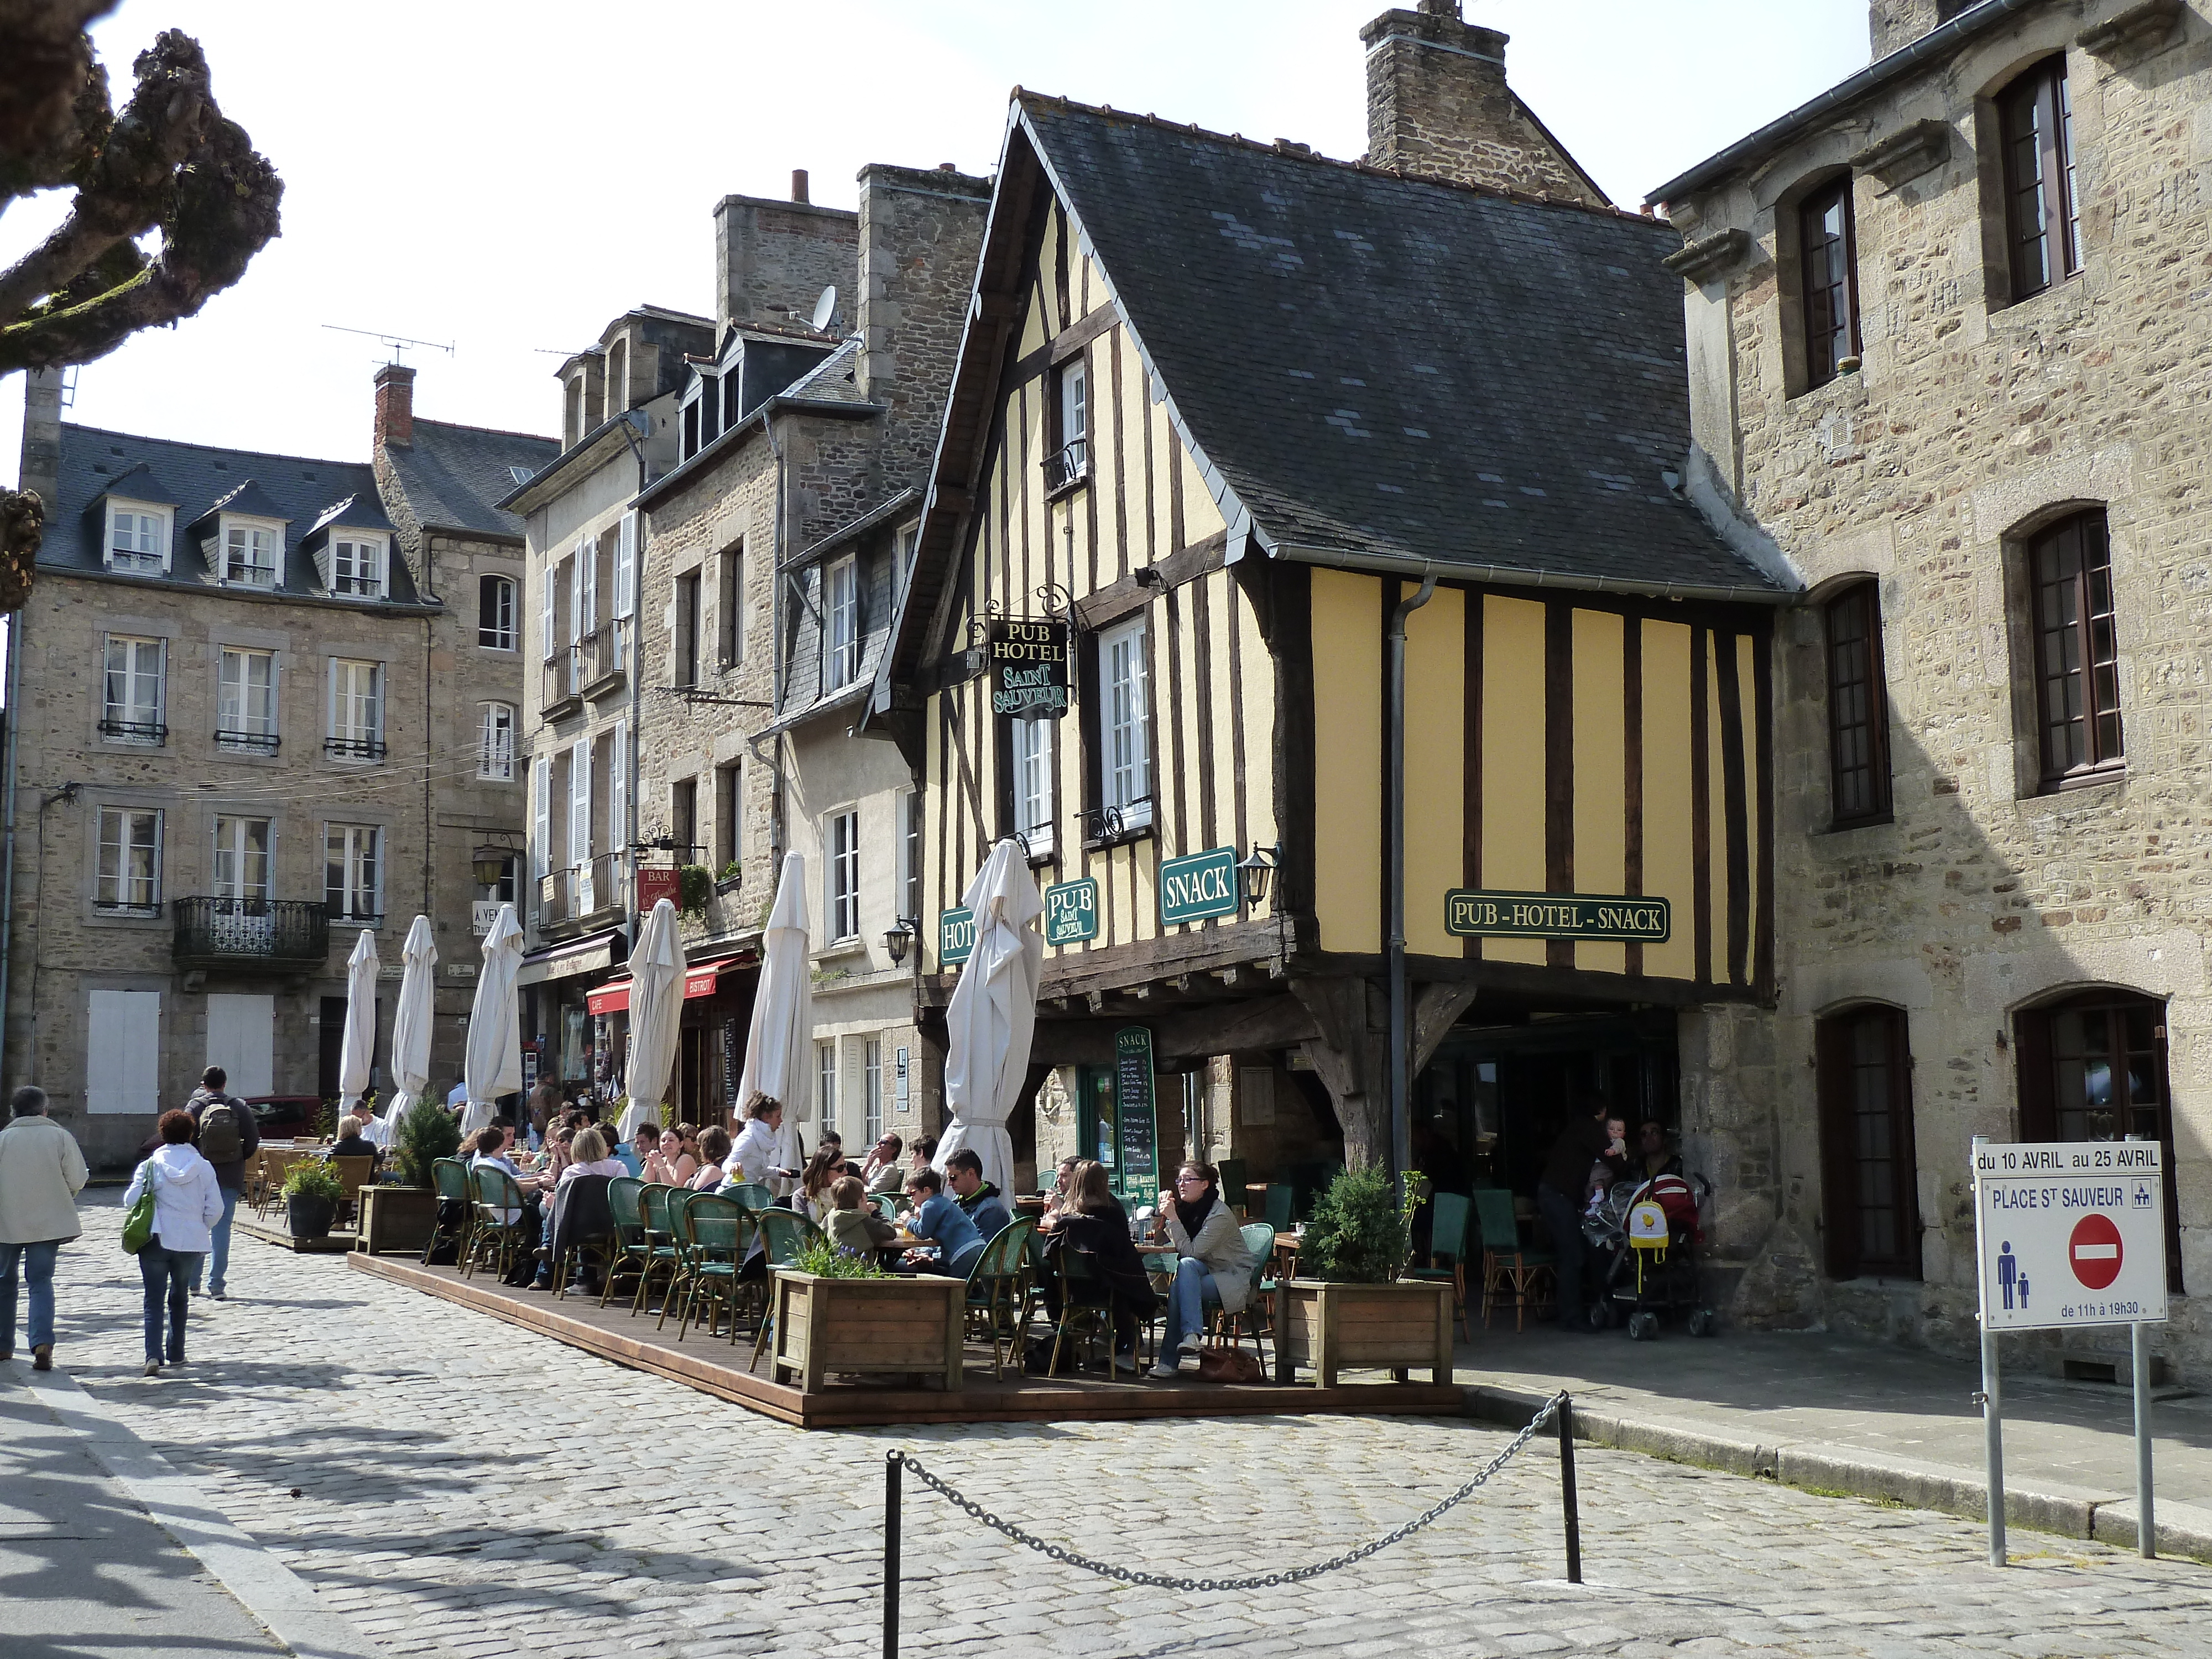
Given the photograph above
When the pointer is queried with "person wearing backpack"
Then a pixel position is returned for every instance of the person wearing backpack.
(41, 1173)
(186, 1202)
(226, 1134)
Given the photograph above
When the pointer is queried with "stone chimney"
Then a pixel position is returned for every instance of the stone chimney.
(1892, 24)
(1438, 107)
(920, 234)
(42, 434)
(798, 184)
(395, 406)
(773, 258)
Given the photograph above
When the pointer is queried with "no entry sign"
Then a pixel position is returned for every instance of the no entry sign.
(2072, 1234)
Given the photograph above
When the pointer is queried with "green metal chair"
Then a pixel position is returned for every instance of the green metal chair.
(1507, 1267)
(1282, 1201)
(660, 1252)
(495, 1195)
(784, 1234)
(885, 1204)
(1086, 1306)
(631, 1251)
(1448, 1219)
(711, 1235)
(995, 1289)
(1234, 1181)
(753, 1194)
(449, 1180)
(1260, 1239)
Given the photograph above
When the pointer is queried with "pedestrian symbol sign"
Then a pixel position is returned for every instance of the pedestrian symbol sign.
(2072, 1234)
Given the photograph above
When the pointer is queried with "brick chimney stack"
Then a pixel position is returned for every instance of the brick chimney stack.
(1438, 107)
(798, 184)
(395, 406)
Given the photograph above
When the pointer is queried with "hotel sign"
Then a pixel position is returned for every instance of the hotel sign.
(1202, 885)
(1475, 913)
(955, 937)
(1029, 669)
(1071, 912)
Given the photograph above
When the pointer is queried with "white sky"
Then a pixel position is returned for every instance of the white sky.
(510, 176)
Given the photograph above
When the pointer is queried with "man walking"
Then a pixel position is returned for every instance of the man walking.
(1559, 1190)
(226, 1134)
(41, 1173)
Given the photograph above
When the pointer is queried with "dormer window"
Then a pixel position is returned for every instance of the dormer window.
(138, 538)
(357, 565)
(250, 552)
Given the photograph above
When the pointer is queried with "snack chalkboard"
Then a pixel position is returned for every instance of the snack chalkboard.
(1136, 1174)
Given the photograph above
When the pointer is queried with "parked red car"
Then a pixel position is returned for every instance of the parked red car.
(285, 1117)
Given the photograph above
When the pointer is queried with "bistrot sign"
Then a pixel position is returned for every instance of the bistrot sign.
(1474, 913)
(2070, 1234)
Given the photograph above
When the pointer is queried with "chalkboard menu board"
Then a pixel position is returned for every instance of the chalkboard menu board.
(1136, 1172)
(730, 1067)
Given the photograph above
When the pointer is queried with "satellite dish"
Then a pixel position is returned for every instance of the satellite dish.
(825, 308)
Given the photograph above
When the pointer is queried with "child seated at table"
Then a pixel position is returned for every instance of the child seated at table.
(853, 1223)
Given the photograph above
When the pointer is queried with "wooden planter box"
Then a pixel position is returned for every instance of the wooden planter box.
(396, 1220)
(1327, 1326)
(867, 1327)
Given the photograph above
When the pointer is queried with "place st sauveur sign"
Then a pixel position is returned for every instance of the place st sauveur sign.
(1477, 912)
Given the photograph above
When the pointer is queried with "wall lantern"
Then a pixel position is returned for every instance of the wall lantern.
(488, 865)
(1256, 871)
(899, 938)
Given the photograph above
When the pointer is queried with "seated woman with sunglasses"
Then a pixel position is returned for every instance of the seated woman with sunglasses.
(1215, 1269)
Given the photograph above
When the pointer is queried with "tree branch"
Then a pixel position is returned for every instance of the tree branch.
(53, 98)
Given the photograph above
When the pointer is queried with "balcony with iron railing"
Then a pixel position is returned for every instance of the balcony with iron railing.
(563, 692)
(249, 934)
(1110, 826)
(1067, 466)
(568, 898)
(601, 659)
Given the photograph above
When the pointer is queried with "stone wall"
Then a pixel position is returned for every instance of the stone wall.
(1969, 418)
(772, 258)
(921, 234)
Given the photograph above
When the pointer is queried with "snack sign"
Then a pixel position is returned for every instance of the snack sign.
(2070, 1233)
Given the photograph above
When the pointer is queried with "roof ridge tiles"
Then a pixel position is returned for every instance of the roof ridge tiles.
(1357, 164)
(486, 431)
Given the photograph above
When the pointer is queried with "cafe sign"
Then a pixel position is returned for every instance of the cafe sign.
(1071, 912)
(1477, 912)
(1200, 886)
(656, 881)
(955, 937)
(1029, 668)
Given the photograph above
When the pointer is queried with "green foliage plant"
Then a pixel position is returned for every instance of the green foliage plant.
(426, 1134)
(695, 885)
(313, 1178)
(825, 1260)
(1358, 1234)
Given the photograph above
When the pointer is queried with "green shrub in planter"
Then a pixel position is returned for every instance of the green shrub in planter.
(427, 1133)
(695, 885)
(312, 1177)
(1358, 1234)
(826, 1261)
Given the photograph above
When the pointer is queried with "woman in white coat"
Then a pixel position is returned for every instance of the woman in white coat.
(187, 1202)
(1215, 1269)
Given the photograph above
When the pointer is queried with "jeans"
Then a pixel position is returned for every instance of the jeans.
(37, 1266)
(166, 1273)
(1564, 1219)
(1192, 1292)
(221, 1230)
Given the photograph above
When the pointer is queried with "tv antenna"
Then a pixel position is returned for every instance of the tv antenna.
(825, 308)
(395, 342)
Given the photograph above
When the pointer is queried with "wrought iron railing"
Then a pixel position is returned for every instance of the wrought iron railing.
(354, 749)
(1103, 826)
(258, 742)
(146, 732)
(1068, 464)
(244, 932)
(600, 657)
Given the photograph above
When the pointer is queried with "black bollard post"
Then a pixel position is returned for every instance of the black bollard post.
(894, 1463)
(1574, 1526)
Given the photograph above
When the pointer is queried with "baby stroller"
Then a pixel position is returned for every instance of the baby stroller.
(1647, 1235)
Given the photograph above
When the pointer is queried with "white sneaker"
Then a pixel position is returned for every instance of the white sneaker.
(153, 1368)
(1192, 1342)
(1125, 1362)
(1164, 1368)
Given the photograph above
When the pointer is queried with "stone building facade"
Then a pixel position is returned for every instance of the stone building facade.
(254, 722)
(1947, 331)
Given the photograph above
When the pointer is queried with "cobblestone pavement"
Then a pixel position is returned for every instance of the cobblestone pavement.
(463, 1490)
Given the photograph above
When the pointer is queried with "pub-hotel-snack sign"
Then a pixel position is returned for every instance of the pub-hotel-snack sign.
(1029, 668)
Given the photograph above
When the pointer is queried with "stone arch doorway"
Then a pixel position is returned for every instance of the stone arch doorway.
(1870, 1167)
(2093, 1067)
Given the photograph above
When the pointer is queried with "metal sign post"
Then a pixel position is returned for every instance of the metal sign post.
(2069, 1235)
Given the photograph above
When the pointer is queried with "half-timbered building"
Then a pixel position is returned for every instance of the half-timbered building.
(1223, 410)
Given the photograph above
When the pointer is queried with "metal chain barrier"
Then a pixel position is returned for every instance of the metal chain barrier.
(1259, 1581)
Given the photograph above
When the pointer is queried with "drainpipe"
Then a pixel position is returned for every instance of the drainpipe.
(8, 810)
(775, 649)
(1401, 1151)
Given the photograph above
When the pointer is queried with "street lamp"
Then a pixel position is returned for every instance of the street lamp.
(1256, 872)
(488, 865)
(899, 938)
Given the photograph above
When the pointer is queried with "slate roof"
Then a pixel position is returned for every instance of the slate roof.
(455, 476)
(192, 478)
(1387, 367)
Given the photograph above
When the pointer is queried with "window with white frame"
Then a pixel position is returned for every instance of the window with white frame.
(245, 700)
(541, 822)
(1070, 462)
(495, 742)
(841, 624)
(129, 870)
(137, 538)
(357, 566)
(495, 613)
(840, 840)
(241, 860)
(353, 872)
(131, 710)
(904, 545)
(1126, 766)
(872, 1089)
(357, 728)
(825, 1084)
(1032, 783)
(249, 552)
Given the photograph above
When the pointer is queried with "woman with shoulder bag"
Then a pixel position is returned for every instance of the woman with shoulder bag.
(187, 1203)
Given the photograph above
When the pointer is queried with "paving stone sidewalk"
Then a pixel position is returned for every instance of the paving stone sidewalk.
(456, 1487)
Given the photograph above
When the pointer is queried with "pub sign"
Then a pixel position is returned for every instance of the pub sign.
(1029, 668)
(1475, 913)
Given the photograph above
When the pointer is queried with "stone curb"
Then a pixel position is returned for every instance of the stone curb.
(2184, 1529)
(265, 1586)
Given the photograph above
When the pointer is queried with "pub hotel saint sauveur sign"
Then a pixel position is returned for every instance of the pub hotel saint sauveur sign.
(1029, 668)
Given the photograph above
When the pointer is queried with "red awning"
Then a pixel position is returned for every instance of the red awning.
(614, 995)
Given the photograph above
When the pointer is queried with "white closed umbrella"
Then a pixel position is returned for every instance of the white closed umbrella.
(656, 1009)
(992, 1015)
(491, 1065)
(410, 1031)
(776, 1047)
(357, 1046)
